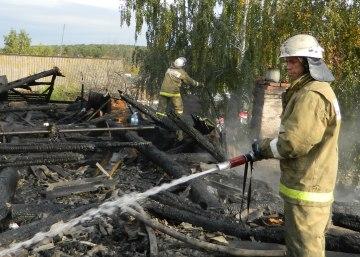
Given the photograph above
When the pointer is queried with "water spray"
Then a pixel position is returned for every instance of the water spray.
(109, 207)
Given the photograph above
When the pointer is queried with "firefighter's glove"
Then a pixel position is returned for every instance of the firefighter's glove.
(256, 151)
(262, 149)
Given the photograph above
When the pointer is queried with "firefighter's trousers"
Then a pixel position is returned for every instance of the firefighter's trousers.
(164, 101)
(305, 228)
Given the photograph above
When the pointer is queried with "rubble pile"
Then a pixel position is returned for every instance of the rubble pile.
(60, 159)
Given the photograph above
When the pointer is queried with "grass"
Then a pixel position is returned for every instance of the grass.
(66, 92)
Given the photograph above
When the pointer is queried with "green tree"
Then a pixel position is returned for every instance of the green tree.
(230, 43)
(17, 43)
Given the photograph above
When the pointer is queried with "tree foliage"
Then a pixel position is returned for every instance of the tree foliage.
(20, 43)
(230, 43)
(16, 42)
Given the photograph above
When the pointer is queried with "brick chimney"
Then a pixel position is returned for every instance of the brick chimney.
(267, 108)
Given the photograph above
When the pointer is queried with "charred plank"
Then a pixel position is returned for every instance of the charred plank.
(216, 152)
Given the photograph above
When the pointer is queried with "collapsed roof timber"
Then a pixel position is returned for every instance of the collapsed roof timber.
(88, 153)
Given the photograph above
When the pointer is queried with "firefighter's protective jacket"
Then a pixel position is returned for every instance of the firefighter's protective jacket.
(174, 77)
(307, 143)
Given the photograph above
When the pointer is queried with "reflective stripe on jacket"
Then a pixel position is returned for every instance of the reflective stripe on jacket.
(307, 143)
(173, 79)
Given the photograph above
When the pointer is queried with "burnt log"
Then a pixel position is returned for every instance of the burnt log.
(199, 191)
(335, 237)
(8, 181)
(227, 226)
(216, 152)
(202, 245)
(25, 213)
(28, 160)
(346, 215)
(147, 110)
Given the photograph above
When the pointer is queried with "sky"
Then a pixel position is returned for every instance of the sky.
(86, 22)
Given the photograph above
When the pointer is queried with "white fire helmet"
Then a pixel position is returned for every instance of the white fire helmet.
(307, 46)
(180, 62)
(301, 45)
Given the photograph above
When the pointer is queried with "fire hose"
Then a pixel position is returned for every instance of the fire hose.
(246, 159)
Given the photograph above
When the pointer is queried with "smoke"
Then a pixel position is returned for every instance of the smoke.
(348, 184)
(238, 140)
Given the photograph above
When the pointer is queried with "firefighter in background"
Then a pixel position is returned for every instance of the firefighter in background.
(307, 146)
(175, 76)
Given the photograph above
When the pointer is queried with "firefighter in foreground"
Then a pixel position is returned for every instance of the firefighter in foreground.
(175, 76)
(307, 146)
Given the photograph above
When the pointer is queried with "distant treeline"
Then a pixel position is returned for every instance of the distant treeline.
(124, 52)
(19, 42)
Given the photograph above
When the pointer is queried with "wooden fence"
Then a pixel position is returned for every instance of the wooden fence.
(93, 73)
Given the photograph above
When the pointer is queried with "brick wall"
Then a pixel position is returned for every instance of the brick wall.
(267, 108)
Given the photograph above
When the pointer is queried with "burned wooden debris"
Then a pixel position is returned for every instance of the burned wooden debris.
(217, 153)
(8, 180)
(78, 186)
(9, 89)
(91, 152)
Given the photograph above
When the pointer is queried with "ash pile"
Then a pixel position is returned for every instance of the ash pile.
(60, 160)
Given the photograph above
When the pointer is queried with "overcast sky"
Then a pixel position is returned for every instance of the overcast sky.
(86, 21)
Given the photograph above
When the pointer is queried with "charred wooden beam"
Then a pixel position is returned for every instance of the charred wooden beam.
(65, 188)
(71, 130)
(25, 213)
(30, 79)
(8, 182)
(161, 121)
(218, 154)
(28, 160)
(8, 148)
(346, 221)
(30, 108)
(199, 188)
